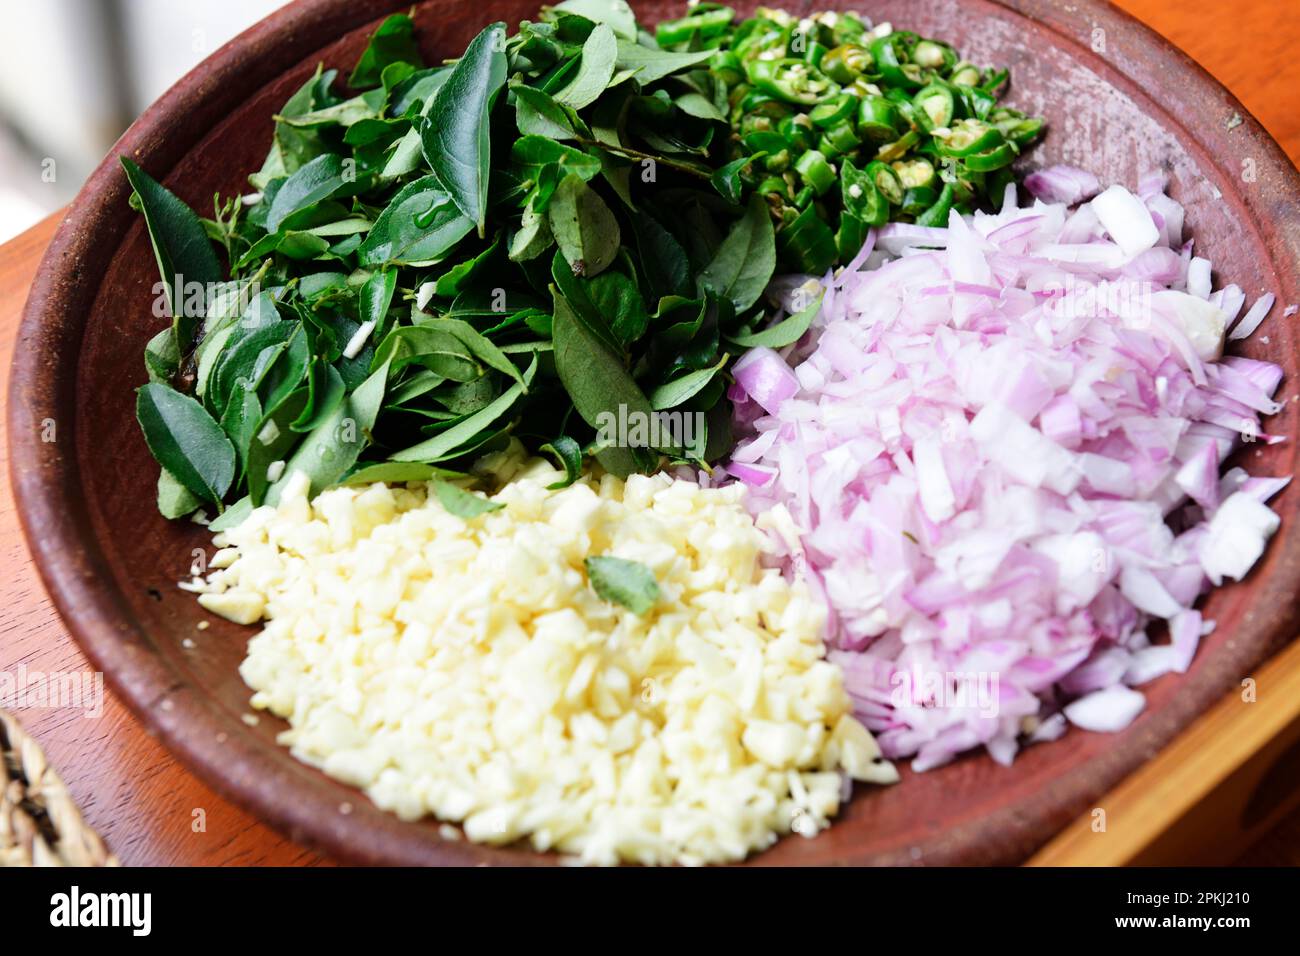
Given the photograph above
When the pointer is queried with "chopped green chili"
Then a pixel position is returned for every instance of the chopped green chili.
(913, 129)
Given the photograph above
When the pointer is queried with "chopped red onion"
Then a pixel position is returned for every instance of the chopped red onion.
(1251, 320)
(1064, 184)
(765, 377)
(979, 456)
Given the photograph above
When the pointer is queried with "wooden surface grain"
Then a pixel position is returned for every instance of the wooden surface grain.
(153, 812)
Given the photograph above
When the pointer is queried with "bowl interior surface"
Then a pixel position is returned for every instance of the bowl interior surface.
(1119, 102)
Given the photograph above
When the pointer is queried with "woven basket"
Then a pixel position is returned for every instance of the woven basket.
(39, 823)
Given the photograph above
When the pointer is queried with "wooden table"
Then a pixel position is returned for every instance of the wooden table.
(145, 803)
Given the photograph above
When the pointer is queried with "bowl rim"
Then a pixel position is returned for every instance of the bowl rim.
(48, 490)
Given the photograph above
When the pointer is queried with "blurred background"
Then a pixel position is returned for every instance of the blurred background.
(75, 73)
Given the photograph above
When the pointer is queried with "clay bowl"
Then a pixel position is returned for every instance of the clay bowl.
(1119, 101)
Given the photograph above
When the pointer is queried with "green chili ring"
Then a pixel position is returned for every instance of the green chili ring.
(894, 69)
(808, 242)
(792, 81)
(915, 173)
(933, 55)
(917, 199)
(935, 106)
(968, 137)
(798, 132)
(845, 63)
(879, 120)
(834, 110)
(887, 181)
(842, 138)
(937, 214)
(816, 171)
(992, 159)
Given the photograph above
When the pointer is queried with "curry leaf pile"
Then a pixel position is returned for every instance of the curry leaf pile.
(565, 227)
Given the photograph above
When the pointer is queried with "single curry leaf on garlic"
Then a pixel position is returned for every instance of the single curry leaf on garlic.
(619, 581)
(462, 503)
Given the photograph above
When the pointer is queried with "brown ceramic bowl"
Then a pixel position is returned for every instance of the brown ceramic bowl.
(1119, 101)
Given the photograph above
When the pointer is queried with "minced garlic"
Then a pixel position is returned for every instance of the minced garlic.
(465, 668)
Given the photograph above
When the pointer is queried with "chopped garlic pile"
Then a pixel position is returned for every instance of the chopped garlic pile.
(465, 668)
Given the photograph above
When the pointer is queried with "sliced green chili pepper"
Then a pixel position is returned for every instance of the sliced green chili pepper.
(969, 136)
(847, 28)
(726, 66)
(798, 132)
(910, 130)
(774, 186)
(879, 120)
(898, 148)
(850, 236)
(887, 181)
(917, 199)
(937, 214)
(976, 103)
(808, 243)
(777, 162)
(842, 138)
(990, 86)
(933, 55)
(935, 106)
(992, 159)
(861, 197)
(815, 53)
(765, 104)
(964, 74)
(890, 55)
(790, 80)
(846, 63)
(1022, 131)
(816, 171)
(764, 141)
(706, 25)
(835, 110)
(914, 173)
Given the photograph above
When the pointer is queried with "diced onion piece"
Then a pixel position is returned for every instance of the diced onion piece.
(1126, 219)
(1107, 711)
(1237, 535)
